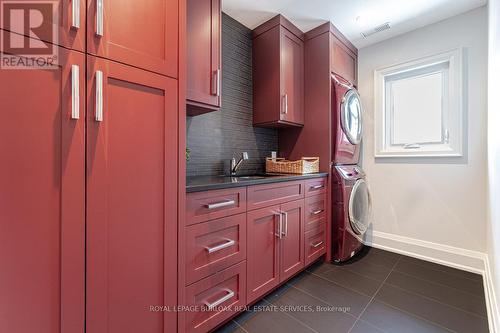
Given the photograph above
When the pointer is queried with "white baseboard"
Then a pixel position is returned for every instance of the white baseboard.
(491, 300)
(467, 260)
(463, 259)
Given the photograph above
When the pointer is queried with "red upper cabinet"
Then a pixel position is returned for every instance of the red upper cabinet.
(42, 182)
(66, 17)
(278, 74)
(143, 34)
(131, 198)
(203, 56)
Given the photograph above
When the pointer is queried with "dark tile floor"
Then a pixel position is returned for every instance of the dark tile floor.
(377, 292)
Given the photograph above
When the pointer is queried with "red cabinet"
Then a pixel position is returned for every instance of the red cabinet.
(263, 270)
(203, 56)
(275, 246)
(292, 242)
(278, 95)
(70, 19)
(42, 197)
(131, 198)
(143, 34)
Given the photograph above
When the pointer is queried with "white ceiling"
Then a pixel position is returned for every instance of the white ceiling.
(404, 15)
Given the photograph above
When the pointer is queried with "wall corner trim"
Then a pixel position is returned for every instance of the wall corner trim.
(467, 260)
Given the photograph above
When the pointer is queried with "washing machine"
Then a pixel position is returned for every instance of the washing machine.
(347, 126)
(351, 211)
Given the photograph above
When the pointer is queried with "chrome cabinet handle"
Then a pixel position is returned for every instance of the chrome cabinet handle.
(315, 187)
(317, 244)
(99, 113)
(75, 92)
(280, 225)
(221, 300)
(220, 204)
(285, 103)
(228, 243)
(285, 217)
(99, 22)
(216, 83)
(316, 212)
(75, 14)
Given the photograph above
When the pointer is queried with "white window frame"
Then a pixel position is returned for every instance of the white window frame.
(453, 107)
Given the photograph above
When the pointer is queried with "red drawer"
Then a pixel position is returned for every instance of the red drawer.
(215, 245)
(316, 186)
(260, 196)
(315, 211)
(224, 291)
(209, 205)
(315, 243)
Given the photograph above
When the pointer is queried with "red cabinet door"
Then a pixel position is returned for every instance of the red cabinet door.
(143, 34)
(203, 54)
(68, 17)
(262, 251)
(292, 241)
(42, 183)
(292, 78)
(131, 198)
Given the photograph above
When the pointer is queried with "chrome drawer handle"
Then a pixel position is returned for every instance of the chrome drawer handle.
(315, 187)
(279, 234)
(99, 115)
(220, 204)
(228, 243)
(218, 302)
(99, 29)
(75, 92)
(316, 212)
(75, 14)
(317, 244)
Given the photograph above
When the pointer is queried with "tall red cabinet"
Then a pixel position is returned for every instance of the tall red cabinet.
(90, 174)
(42, 198)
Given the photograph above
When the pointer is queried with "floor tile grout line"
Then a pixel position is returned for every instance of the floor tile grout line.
(340, 285)
(441, 271)
(370, 324)
(437, 301)
(411, 314)
(296, 319)
(439, 284)
(348, 269)
(237, 324)
(321, 300)
(375, 294)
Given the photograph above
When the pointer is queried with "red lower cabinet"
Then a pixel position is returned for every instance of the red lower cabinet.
(212, 300)
(214, 245)
(292, 242)
(42, 198)
(315, 243)
(275, 246)
(131, 198)
(263, 227)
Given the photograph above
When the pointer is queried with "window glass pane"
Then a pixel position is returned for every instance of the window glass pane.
(417, 109)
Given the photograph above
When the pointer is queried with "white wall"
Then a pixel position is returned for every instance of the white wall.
(432, 203)
(493, 230)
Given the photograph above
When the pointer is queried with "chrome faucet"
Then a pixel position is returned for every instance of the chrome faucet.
(235, 165)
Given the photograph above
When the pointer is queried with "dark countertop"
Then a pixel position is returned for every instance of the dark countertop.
(206, 183)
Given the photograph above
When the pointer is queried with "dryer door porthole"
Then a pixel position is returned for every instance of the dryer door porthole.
(351, 116)
(359, 207)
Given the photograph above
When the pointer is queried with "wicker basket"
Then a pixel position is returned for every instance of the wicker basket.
(302, 166)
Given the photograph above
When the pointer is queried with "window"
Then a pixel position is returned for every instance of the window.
(419, 108)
